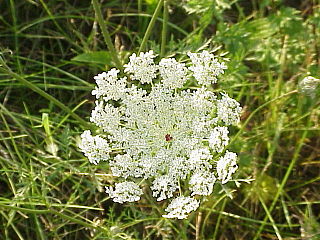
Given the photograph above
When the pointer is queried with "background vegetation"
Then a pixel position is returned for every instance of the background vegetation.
(51, 50)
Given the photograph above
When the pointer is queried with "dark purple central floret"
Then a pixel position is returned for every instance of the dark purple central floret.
(168, 137)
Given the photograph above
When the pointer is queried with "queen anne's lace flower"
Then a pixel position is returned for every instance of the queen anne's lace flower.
(180, 207)
(125, 192)
(226, 166)
(162, 134)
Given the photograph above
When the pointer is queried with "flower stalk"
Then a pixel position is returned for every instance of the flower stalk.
(150, 26)
(106, 35)
(164, 27)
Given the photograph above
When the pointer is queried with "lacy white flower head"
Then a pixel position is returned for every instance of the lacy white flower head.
(308, 85)
(180, 207)
(142, 68)
(226, 166)
(206, 67)
(158, 132)
(95, 148)
(125, 192)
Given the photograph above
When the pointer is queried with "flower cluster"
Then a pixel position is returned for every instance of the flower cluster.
(159, 132)
(309, 85)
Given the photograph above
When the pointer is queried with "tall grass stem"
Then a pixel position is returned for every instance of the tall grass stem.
(4, 68)
(106, 35)
(150, 26)
(164, 28)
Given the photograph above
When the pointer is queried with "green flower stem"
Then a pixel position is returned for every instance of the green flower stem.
(106, 35)
(268, 214)
(198, 224)
(4, 68)
(216, 229)
(164, 28)
(139, 12)
(246, 219)
(150, 26)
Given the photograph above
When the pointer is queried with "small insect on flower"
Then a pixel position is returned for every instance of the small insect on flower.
(167, 135)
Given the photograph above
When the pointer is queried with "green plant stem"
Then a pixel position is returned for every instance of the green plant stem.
(246, 219)
(4, 68)
(139, 12)
(268, 214)
(52, 211)
(106, 35)
(13, 9)
(15, 146)
(198, 224)
(284, 180)
(150, 26)
(13, 227)
(216, 229)
(170, 24)
(164, 28)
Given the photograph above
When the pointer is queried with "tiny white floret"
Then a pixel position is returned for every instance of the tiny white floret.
(173, 73)
(228, 110)
(109, 86)
(201, 183)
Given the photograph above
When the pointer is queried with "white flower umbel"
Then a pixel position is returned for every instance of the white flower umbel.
(219, 139)
(109, 86)
(308, 85)
(200, 159)
(163, 187)
(95, 148)
(228, 110)
(201, 183)
(206, 67)
(174, 74)
(142, 68)
(124, 166)
(160, 133)
(125, 192)
(106, 117)
(180, 207)
(226, 166)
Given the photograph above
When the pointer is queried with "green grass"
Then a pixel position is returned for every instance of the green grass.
(50, 51)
